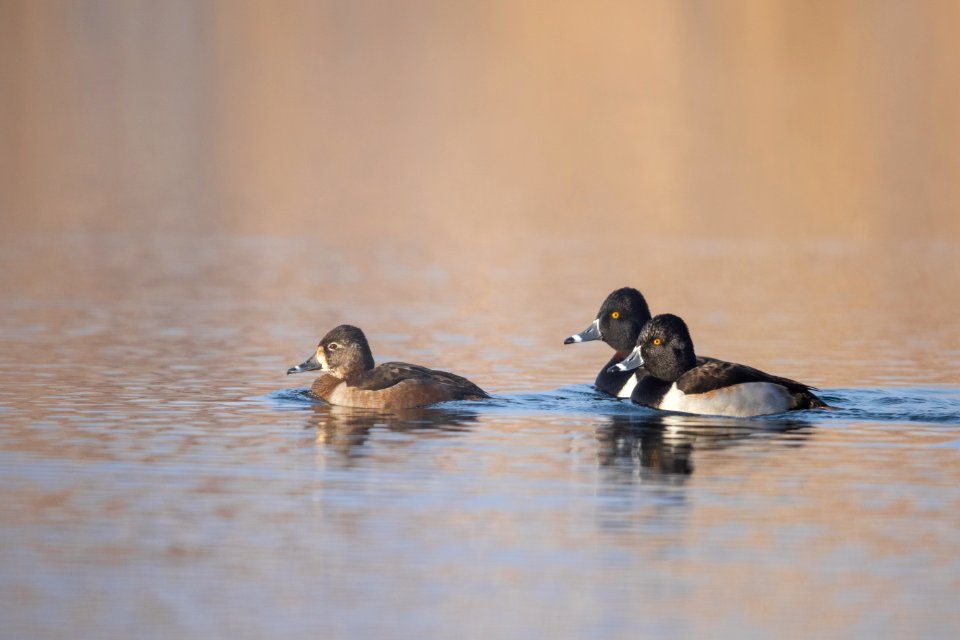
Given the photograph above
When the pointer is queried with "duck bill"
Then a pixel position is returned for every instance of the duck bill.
(590, 333)
(631, 362)
(310, 364)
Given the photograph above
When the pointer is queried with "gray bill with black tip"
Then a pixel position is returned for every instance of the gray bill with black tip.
(590, 333)
(632, 361)
(310, 364)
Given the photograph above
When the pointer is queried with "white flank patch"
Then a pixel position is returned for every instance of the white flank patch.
(347, 396)
(340, 395)
(739, 400)
(627, 389)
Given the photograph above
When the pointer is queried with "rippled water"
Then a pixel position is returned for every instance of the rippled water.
(160, 476)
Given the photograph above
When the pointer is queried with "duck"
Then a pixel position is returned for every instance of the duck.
(677, 381)
(352, 379)
(618, 323)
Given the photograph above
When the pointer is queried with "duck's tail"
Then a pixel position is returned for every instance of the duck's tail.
(807, 400)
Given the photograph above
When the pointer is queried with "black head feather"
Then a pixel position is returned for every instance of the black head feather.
(666, 347)
(621, 317)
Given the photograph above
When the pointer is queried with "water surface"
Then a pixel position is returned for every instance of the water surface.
(160, 475)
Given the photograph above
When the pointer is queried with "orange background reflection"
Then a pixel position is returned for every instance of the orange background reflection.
(721, 118)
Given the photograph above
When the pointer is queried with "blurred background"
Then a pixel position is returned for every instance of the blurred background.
(785, 175)
(724, 119)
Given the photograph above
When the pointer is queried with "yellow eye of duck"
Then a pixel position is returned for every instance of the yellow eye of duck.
(615, 315)
(656, 342)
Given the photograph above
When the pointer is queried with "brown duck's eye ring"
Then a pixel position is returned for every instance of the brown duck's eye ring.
(333, 346)
(656, 342)
(615, 315)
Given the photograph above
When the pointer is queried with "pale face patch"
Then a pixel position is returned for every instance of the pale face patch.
(322, 359)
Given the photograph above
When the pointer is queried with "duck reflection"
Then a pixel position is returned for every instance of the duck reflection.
(346, 430)
(659, 447)
(657, 451)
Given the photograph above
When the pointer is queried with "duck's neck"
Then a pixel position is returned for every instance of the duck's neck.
(323, 386)
(353, 373)
(628, 339)
(671, 368)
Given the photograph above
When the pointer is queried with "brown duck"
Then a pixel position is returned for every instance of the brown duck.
(352, 379)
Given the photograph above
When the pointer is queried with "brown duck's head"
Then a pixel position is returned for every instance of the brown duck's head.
(343, 352)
